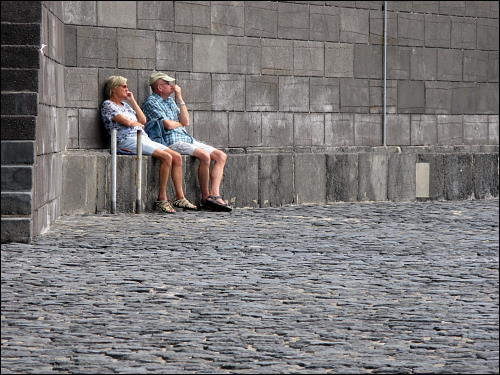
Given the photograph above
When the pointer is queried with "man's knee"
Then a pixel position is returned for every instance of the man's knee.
(203, 156)
(219, 156)
(176, 157)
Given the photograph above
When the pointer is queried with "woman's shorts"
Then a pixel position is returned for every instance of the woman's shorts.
(186, 148)
(148, 146)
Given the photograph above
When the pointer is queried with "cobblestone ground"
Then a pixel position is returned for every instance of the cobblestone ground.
(344, 288)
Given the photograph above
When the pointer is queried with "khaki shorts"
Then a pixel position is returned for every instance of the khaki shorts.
(186, 148)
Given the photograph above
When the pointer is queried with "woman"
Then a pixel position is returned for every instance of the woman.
(127, 120)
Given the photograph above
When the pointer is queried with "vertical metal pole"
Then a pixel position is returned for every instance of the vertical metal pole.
(138, 200)
(113, 171)
(385, 74)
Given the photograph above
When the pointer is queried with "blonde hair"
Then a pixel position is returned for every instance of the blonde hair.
(112, 82)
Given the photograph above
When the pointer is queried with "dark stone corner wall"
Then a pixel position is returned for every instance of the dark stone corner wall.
(243, 63)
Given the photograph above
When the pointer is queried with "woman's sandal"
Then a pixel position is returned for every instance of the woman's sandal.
(165, 206)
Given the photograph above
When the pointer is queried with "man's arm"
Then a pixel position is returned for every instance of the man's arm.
(184, 115)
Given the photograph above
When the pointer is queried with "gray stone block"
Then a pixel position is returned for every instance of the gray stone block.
(339, 60)
(227, 18)
(245, 129)
(18, 127)
(174, 51)
(463, 33)
(310, 178)
(308, 58)
(487, 34)
(96, 47)
(492, 66)
(20, 34)
(485, 176)
(376, 92)
(475, 66)
(45, 215)
(19, 104)
(449, 130)
(463, 98)
(192, 17)
(354, 95)
(411, 96)
(294, 94)
(309, 129)
(277, 129)
(401, 177)
(475, 129)
(80, 12)
(47, 179)
(487, 98)
(426, 7)
(276, 185)
(423, 130)
(398, 62)
(242, 189)
(51, 130)
(341, 177)
(16, 203)
(493, 129)
(277, 57)
(293, 21)
(81, 87)
(72, 128)
(354, 25)
(244, 55)
(411, 29)
(458, 179)
(449, 65)
(325, 23)
(228, 92)
(18, 152)
(368, 60)
(377, 27)
(91, 131)
(196, 90)
(367, 129)
(16, 179)
(339, 129)
(210, 53)
(324, 94)
(438, 97)
(372, 176)
(136, 49)
(261, 19)
(155, 15)
(261, 93)
(55, 38)
(116, 14)
(211, 128)
(437, 31)
(22, 12)
(398, 130)
(455, 8)
(423, 64)
(436, 174)
(16, 229)
(70, 45)
(16, 80)
(481, 9)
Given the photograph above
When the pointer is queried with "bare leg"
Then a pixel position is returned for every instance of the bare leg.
(177, 173)
(217, 172)
(203, 171)
(166, 165)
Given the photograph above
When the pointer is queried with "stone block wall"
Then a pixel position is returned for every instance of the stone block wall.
(284, 86)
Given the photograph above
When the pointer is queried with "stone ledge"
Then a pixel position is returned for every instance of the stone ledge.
(273, 178)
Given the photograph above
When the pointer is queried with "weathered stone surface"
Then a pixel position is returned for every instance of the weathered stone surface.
(458, 176)
(276, 185)
(372, 176)
(485, 175)
(339, 129)
(401, 179)
(309, 129)
(242, 189)
(310, 167)
(423, 130)
(261, 93)
(210, 53)
(228, 92)
(342, 177)
(174, 51)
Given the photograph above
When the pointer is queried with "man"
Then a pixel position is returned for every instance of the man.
(167, 119)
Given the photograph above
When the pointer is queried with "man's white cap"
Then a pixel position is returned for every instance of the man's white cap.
(159, 75)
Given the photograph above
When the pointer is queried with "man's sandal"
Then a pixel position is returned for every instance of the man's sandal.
(184, 203)
(211, 202)
(165, 206)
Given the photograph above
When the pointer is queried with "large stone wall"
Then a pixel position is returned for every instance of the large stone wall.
(292, 90)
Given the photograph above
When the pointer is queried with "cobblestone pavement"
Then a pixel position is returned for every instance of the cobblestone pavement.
(344, 288)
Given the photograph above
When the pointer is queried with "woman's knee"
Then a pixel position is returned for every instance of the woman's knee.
(163, 156)
(219, 156)
(203, 156)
